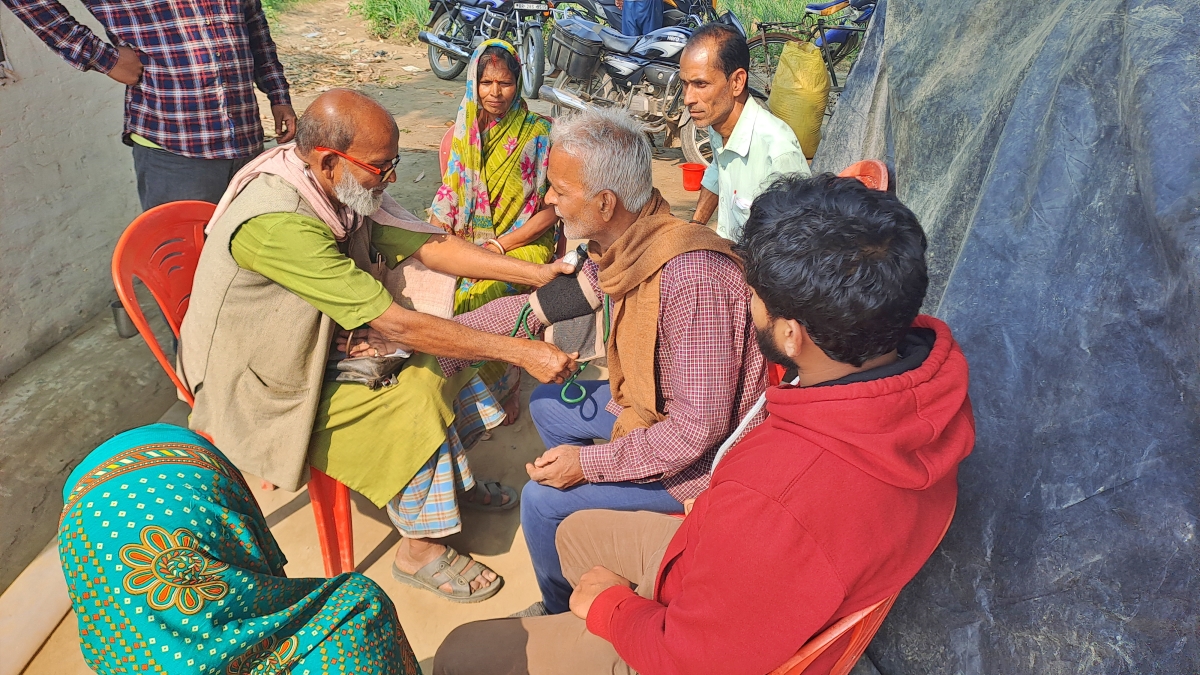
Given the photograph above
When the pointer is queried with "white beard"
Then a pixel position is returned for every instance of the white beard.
(357, 198)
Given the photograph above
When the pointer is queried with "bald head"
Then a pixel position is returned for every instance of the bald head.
(350, 144)
(341, 119)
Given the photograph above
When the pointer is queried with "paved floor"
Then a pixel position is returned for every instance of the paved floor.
(494, 538)
(52, 413)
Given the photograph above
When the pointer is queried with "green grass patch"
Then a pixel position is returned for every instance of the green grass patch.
(272, 8)
(393, 18)
(754, 11)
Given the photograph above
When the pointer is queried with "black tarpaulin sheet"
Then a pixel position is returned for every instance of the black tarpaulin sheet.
(1052, 151)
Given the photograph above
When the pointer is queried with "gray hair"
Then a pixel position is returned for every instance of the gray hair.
(613, 152)
(331, 131)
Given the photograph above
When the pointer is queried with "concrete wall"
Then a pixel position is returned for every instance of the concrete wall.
(66, 192)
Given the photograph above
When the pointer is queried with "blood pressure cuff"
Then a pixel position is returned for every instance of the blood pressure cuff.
(571, 311)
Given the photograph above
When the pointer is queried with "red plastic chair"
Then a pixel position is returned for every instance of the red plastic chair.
(161, 247)
(874, 174)
(861, 625)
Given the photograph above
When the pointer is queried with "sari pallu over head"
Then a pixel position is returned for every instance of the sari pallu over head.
(495, 178)
(171, 568)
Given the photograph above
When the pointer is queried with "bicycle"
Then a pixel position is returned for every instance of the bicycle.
(837, 40)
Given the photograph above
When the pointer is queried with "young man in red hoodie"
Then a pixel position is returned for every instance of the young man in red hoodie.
(829, 506)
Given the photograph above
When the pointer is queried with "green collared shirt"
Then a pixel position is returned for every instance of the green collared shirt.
(761, 146)
(301, 254)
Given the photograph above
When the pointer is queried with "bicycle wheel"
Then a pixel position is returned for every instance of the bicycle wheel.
(765, 49)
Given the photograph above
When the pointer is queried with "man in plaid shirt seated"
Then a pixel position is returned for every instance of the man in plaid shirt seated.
(684, 366)
(189, 70)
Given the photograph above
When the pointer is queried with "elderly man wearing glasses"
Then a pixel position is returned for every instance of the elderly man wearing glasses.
(289, 254)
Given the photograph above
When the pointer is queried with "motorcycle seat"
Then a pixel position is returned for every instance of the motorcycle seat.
(617, 42)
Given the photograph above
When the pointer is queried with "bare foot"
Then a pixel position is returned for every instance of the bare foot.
(413, 554)
(267, 485)
(512, 409)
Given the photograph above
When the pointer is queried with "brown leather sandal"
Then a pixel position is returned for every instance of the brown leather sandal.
(455, 569)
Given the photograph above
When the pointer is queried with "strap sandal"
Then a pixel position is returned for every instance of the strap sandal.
(495, 491)
(452, 568)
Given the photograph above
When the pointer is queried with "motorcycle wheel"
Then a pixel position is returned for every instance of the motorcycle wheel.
(532, 54)
(445, 66)
(697, 148)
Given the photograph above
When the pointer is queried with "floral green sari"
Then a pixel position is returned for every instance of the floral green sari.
(171, 567)
(494, 182)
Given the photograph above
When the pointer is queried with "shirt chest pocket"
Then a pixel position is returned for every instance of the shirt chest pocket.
(740, 209)
(222, 13)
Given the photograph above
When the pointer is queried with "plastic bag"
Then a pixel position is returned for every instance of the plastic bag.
(800, 92)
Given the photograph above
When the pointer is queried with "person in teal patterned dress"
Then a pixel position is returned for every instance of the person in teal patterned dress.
(172, 568)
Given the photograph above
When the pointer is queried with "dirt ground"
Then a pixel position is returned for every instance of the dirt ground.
(322, 46)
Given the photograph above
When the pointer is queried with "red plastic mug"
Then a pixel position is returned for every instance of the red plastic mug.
(692, 174)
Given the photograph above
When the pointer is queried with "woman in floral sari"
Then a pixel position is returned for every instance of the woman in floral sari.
(494, 183)
(171, 567)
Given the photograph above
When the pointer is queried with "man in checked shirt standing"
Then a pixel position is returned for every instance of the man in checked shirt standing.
(189, 70)
(684, 365)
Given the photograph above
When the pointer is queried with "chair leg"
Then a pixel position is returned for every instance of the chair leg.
(345, 526)
(322, 491)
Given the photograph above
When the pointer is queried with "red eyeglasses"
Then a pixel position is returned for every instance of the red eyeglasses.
(384, 174)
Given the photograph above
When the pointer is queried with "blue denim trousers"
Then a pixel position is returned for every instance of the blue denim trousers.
(543, 507)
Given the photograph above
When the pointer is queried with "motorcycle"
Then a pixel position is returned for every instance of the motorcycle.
(602, 67)
(457, 27)
(675, 12)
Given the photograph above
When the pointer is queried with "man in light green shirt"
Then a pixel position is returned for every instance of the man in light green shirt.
(750, 145)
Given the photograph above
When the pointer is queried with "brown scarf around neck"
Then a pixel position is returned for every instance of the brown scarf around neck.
(630, 273)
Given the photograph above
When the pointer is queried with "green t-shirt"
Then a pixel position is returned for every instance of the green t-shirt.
(301, 254)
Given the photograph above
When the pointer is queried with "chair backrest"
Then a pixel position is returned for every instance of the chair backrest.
(161, 247)
(862, 626)
(872, 172)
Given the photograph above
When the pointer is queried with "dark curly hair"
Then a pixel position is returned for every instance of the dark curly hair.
(845, 261)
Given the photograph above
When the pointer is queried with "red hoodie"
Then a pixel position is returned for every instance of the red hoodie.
(832, 504)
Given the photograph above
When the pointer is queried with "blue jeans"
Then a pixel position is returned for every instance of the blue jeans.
(641, 16)
(543, 508)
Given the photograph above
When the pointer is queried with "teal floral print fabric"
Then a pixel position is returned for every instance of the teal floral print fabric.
(172, 568)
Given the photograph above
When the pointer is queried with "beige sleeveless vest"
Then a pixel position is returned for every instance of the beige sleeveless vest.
(253, 353)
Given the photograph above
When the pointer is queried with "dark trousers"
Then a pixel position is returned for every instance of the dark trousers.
(641, 16)
(166, 177)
